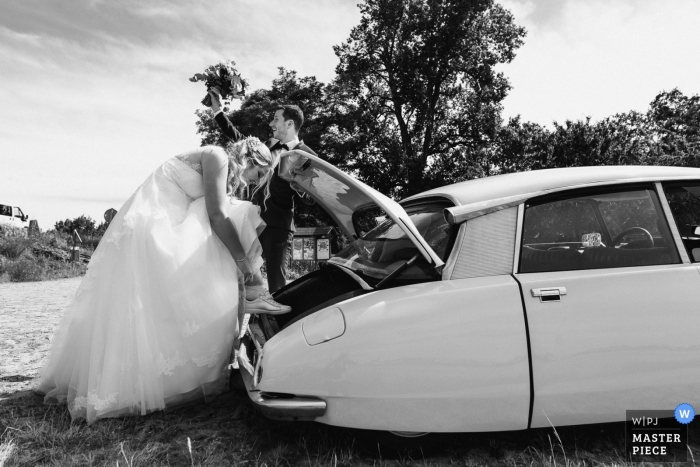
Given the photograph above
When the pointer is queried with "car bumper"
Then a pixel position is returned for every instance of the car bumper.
(294, 408)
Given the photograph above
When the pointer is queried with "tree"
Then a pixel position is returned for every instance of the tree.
(83, 224)
(419, 91)
(667, 134)
(675, 121)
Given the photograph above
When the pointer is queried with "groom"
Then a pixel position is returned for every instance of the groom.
(278, 211)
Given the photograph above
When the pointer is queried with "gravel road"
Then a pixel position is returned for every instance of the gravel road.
(29, 314)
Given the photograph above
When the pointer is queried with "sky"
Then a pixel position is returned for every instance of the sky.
(94, 95)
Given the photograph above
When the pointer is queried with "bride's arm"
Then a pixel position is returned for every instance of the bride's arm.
(215, 173)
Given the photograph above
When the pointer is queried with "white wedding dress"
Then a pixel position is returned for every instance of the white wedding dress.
(153, 322)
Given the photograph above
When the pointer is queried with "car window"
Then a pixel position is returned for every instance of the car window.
(596, 229)
(5, 210)
(684, 201)
(383, 244)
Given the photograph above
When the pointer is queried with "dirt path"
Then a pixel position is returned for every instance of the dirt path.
(29, 314)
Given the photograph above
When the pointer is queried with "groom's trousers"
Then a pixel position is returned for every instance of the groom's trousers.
(276, 245)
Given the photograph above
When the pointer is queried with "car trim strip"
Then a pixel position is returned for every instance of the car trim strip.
(671, 221)
(518, 237)
(529, 353)
(464, 212)
(295, 408)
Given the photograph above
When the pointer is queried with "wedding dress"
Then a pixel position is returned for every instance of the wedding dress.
(153, 322)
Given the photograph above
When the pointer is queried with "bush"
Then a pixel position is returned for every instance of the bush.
(36, 258)
(12, 247)
(22, 270)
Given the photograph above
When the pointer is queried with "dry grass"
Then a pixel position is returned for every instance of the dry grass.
(20, 263)
(227, 431)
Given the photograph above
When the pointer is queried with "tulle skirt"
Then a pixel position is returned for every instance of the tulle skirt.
(153, 322)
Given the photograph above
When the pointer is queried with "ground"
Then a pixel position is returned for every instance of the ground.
(227, 431)
(30, 311)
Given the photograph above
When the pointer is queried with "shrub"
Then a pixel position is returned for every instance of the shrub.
(22, 270)
(12, 247)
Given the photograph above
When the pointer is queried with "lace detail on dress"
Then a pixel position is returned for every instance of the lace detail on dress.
(167, 365)
(209, 361)
(190, 328)
(196, 166)
(94, 400)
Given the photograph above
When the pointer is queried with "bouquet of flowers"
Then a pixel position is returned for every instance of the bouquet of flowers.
(226, 78)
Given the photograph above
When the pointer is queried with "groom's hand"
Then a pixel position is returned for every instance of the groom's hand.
(215, 95)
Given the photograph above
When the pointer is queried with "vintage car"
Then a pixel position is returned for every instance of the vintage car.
(551, 297)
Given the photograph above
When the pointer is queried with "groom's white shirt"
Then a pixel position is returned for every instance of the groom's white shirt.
(291, 144)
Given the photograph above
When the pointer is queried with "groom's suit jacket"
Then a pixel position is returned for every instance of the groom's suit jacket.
(278, 211)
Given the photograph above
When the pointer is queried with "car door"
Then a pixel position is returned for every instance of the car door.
(612, 309)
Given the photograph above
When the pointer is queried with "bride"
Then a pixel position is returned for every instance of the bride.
(153, 322)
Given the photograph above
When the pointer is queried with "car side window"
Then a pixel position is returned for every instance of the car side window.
(596, 229)
(684, 200)
(5, 210)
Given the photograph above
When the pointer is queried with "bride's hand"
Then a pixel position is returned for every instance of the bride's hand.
(246, 268)
(215, 95)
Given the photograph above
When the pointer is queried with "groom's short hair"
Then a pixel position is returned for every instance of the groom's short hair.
(293, 113)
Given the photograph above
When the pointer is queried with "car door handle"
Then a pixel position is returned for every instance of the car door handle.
(549, 294)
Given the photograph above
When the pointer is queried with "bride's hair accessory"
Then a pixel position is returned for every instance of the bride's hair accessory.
(252, 144)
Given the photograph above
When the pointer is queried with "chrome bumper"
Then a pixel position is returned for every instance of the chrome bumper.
(296, 408)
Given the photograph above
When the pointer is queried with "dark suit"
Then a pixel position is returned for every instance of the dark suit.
(277, 212)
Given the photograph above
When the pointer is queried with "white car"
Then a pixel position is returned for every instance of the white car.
(551, 297)
(13, 216)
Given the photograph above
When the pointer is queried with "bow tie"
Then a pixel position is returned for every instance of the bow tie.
(282, 146)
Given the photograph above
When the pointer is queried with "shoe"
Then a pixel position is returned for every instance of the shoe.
(265, 304)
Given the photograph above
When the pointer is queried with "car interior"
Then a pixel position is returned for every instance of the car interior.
(596, 229)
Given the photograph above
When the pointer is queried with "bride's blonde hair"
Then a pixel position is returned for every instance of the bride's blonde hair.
(252, 150)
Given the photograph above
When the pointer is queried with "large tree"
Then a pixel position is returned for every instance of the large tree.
(420, 99)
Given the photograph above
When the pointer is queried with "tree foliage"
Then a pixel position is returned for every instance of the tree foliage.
(416, 104)
(83, 224)
(418, 79)
(667, 134)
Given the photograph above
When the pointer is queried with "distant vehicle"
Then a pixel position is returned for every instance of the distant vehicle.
(13, 216)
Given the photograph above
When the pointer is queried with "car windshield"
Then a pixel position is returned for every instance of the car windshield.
(385, 246)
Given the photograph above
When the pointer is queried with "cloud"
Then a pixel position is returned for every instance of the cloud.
(96, 94)
(596, 58)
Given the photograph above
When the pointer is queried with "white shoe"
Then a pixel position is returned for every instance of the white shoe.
(265, 304)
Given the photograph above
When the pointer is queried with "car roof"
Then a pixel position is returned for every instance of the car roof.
(550, 180)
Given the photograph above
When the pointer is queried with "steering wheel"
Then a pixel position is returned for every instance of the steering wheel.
(624, 233)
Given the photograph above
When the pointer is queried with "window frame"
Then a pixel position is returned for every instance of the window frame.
(669, 233)
(661, 186)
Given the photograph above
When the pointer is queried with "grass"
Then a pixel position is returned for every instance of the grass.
(227, 431)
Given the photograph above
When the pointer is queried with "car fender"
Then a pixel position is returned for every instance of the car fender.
(439, 356)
